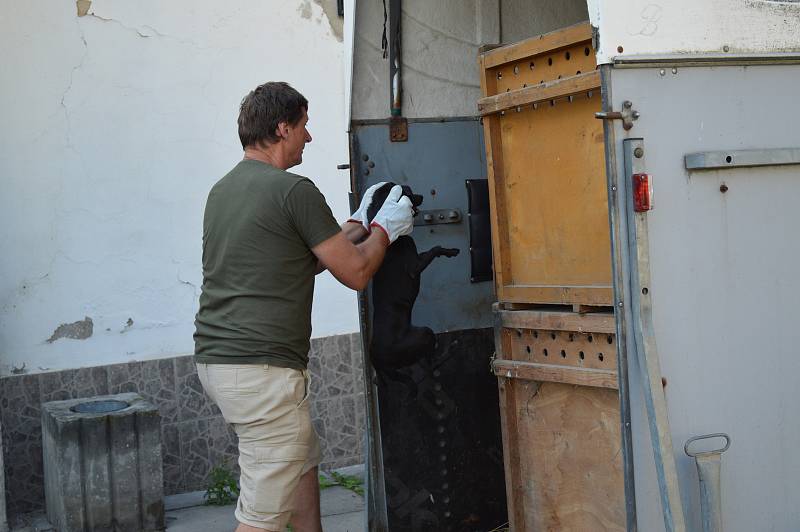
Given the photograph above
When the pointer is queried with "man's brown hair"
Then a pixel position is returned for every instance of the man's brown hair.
(264, 108)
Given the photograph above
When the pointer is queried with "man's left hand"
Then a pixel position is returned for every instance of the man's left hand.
(360, 216)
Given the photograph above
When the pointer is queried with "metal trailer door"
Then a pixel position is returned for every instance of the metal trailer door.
(723, 268)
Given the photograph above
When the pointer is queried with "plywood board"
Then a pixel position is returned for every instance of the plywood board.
(569, 470)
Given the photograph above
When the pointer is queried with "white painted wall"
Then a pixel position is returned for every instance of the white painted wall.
(115, 126)
(643, 27)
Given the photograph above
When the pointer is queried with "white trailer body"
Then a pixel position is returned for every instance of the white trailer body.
(723, 282)
(717, 82)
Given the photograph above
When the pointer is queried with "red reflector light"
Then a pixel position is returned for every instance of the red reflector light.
(642, 193)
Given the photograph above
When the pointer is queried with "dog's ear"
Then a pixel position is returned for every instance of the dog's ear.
(416, 199)
(377, 200)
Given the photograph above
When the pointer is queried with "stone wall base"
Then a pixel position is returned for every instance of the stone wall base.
(194, 437)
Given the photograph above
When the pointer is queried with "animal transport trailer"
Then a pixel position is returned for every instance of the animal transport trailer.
(643, 174)
(643, 209)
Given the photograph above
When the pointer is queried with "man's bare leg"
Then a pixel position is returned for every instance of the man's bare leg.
(305, 508)
(247, 528)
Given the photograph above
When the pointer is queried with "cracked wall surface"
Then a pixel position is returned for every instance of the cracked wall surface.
(78, 330)
(118, 118)
(194, 436)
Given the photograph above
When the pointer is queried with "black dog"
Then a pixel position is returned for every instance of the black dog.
(395, 342)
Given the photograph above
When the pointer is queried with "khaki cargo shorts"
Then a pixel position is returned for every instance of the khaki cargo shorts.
(268, 408)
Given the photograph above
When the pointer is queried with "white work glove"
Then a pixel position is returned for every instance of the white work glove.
(360, 216)
(396, 216)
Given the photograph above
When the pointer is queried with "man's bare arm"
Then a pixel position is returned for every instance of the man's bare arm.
(353, 265)
(354, 232)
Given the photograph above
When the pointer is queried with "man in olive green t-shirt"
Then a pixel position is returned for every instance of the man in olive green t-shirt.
(266, 234)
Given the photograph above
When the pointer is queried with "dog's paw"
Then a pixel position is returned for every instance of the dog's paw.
(450, 252)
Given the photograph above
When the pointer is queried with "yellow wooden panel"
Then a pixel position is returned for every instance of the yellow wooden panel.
(578, 59)
(541, 92)
(554, 190)
(547, 42)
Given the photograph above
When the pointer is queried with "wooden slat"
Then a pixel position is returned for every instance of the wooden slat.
(595, 378)
(494, 167)
(542, 92)
(557, 321)
(557, 295)
(537, 45)
(510, 433)
(588, 350)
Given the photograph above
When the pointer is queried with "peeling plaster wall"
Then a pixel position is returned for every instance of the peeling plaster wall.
(115, 126)
(440, 50)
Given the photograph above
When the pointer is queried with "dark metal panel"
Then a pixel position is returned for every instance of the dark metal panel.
(435, 162)
(442, 450)
(434, 434)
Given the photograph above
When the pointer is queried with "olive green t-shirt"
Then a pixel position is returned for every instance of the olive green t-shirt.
(259, 227)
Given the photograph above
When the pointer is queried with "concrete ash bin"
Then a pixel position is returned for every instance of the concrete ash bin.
(102, 464)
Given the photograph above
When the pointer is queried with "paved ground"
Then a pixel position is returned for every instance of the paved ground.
(342, 511)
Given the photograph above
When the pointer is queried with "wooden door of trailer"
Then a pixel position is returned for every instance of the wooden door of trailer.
(555, 337)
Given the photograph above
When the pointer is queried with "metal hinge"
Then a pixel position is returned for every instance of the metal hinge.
(627, 115)
(398, 129)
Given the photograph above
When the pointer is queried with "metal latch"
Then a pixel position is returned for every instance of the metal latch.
(398, 129)
(438, 216)
(627, 115)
